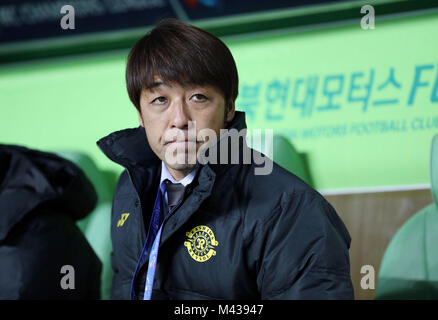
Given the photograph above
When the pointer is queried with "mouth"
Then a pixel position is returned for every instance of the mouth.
(182, 142)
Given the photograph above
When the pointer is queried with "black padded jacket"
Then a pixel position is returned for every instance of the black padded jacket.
(236, 235)
(41, 198)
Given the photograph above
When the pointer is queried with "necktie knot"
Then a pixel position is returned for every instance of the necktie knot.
(175, 192)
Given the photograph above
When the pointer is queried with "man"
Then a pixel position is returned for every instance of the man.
(210, 229)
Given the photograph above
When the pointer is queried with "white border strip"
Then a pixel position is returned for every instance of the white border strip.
(406, 187)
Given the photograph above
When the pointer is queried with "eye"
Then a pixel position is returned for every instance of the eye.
(199, 97)
(159, 100)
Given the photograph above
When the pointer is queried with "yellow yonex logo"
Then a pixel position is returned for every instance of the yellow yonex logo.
(200, 243)
(122, 219)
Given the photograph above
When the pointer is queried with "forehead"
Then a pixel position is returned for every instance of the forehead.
(158, 84)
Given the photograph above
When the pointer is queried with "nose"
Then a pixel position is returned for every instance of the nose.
(179, 117)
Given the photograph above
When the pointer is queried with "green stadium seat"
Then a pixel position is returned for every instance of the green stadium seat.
(409, 268)
(285, 155)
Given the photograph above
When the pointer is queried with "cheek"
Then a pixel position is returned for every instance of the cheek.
(217, 121)
(212, 121)
(153, 134)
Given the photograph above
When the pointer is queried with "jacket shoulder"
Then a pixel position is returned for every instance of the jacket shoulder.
(277, 186)
(283, 196)
(292, 229)
(282, 179)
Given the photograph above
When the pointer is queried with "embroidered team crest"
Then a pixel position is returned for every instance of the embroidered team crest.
(200, 243)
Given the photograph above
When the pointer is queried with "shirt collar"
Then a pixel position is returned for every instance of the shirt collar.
(165, 174)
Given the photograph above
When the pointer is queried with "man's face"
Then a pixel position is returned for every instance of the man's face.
(167, 109)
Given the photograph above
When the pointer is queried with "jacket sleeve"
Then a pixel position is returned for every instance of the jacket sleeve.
(305, 253)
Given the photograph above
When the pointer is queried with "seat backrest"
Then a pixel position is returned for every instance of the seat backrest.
(409, 268)
(282, 151)
(434, 169)
(290, 159)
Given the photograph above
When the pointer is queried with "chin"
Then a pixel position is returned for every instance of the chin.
(181, 167)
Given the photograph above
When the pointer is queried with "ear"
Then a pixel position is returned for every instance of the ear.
(231, 111)
(140, 119)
